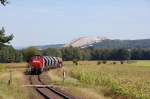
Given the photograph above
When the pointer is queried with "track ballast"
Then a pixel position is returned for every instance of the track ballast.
(46, 92)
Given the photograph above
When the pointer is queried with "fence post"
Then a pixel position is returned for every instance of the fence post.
(10, 77)
(64, 75)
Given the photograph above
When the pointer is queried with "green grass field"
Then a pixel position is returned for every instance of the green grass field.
(128, 80)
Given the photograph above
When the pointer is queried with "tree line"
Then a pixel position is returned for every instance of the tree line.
(9, 54)
(72, 53)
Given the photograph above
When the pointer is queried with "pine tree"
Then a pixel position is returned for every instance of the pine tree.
(4, 2)
(3, 38)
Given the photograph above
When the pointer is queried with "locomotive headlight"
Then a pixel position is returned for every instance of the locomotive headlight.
(35, 61)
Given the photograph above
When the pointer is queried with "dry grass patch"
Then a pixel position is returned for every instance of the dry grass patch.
(15, 89)
(85, 93)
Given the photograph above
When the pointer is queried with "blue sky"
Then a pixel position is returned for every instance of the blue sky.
(40, 22)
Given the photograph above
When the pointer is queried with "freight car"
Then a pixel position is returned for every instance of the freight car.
(38, 64)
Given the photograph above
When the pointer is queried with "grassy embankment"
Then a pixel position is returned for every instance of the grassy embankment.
(15, 89)
(90, 80)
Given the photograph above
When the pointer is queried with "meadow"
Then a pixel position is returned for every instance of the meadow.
(123, 81)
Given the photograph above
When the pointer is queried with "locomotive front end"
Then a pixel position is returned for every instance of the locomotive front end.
(36, 64)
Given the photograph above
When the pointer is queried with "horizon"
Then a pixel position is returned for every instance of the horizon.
(57, 22)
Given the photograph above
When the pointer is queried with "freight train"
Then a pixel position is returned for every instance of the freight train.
(38, 64)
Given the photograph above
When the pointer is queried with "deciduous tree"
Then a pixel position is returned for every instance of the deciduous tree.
(30, 52)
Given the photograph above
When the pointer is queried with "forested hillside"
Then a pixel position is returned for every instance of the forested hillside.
(127, 44)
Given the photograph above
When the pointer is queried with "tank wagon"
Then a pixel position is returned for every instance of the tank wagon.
(38, 64)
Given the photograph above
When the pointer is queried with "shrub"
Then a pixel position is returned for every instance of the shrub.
(122, 62)
(114, 63)
(104, 61)
(99, 62)
(75, 61)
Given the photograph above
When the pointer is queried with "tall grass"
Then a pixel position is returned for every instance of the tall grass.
(132, 81)
(15, 89)
(2, 67)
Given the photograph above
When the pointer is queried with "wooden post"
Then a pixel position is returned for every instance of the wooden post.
(10, 77)
(64, 75)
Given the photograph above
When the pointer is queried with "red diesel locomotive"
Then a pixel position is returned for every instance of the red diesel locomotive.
(38, 64)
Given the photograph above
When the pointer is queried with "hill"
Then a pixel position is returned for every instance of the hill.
(84, 42)
(103, 42)
(127, 44)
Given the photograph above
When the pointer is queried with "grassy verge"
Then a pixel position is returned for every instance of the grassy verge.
(15, 89)
(74, 86)
(2, 67)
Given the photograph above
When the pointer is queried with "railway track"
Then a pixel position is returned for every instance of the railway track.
(46, 92)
